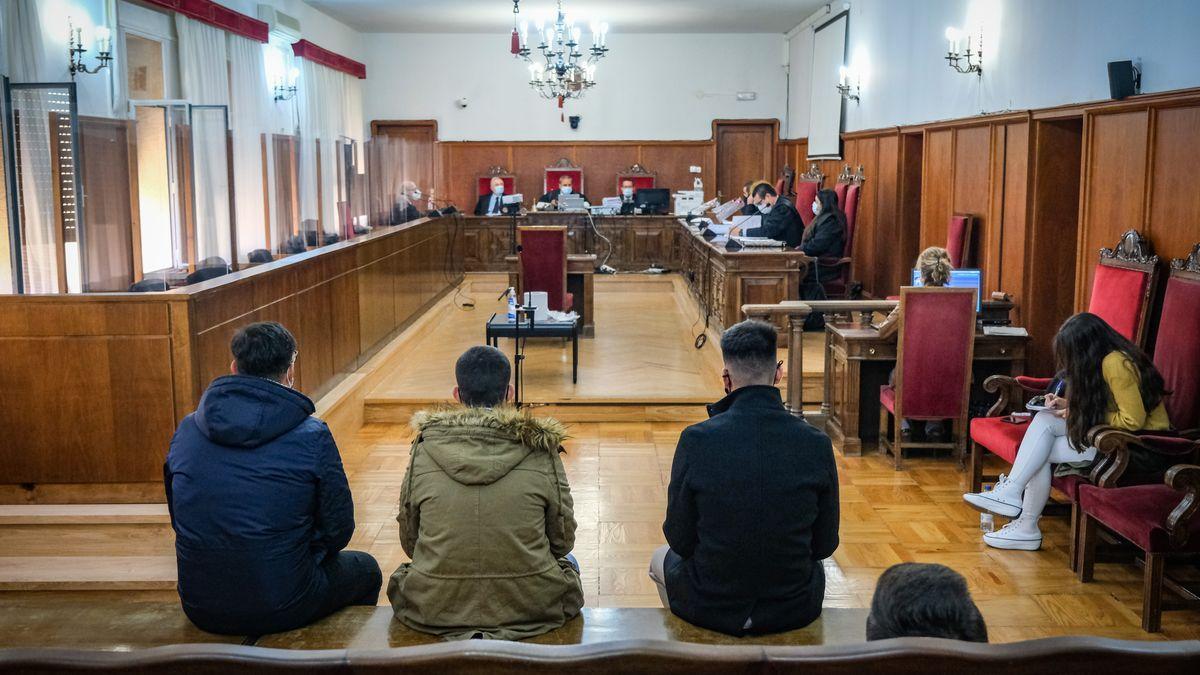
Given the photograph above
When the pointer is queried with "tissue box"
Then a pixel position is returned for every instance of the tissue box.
(540, 303)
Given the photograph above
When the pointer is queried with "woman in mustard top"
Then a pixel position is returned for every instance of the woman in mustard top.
(1110, 381)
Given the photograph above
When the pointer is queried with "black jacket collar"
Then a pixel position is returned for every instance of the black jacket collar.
(754, 396)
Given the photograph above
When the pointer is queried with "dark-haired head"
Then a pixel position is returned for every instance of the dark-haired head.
(924, 600)
(482, 374)
(763, 190)
(264, 350)
(749, 352)
(1079, 349)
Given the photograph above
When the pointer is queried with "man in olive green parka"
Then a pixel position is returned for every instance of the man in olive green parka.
(486, 516)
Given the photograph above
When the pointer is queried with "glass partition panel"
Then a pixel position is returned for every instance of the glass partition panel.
(42, 129)
(110, 195)
(163, 191)
(8, 253)
(212, 168)
(285, 188)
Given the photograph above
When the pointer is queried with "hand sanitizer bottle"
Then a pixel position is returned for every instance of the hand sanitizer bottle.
(512, 305)
(987, 522)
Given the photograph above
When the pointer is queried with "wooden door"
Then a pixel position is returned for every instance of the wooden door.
(745, 151)
(417, 149)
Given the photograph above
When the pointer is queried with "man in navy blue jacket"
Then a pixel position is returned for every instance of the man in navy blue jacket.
(752, 507)
(259, 501)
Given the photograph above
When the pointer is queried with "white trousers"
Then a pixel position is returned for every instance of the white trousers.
(1045, 443)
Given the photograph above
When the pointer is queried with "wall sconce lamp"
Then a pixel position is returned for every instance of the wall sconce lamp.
(968, 61)
(286, 92)
(76, 50)
(849, 84)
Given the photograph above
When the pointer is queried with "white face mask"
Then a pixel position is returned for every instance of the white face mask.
(566, 190)
(816, 209)
(764, 208)
(498, 189)
(416, 194)
(627, 191)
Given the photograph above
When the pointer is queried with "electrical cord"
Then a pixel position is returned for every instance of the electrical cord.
(596, 230)
(450, 271)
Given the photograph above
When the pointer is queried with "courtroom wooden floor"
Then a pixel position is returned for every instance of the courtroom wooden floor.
(618, 473)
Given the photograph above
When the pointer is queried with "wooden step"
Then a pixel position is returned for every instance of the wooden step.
(83, 514)
(87, 573)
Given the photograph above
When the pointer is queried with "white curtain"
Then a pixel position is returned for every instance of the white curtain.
(204, 80)
(327, 99)
(250, 114)
(25, 61)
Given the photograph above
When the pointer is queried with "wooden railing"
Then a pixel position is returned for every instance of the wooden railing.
(797, 311)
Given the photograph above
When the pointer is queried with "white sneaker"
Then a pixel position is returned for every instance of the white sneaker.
(1017, 535)
(1003, 499)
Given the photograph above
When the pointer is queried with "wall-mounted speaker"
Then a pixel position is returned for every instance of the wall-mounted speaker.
(1123, 79)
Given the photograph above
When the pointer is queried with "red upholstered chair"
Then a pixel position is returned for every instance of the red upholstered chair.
(933, 366)
(543, 264)
(842, 182)
(960, 239)
(642, 179)
(483, 184)
(1160, 519)
(807, 186)
(557, 170)
(1129, 272)
(835, 272)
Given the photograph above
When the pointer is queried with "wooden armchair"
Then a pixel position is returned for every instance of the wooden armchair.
(933, 366)
(835, 272)
(1121, 292)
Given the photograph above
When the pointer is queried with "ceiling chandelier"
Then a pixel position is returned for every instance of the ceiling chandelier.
(560, 72)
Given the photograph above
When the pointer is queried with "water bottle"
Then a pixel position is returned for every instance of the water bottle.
(987, 522)
(512, 305)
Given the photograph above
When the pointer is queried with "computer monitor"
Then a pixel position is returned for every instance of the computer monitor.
(960, 279)
(653, 200)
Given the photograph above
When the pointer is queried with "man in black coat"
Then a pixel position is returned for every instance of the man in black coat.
(566, 186)
(779, 218)
(752, 507)
(259, 501)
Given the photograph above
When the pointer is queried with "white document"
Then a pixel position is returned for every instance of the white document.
(748, 222)
(1014, 331)
(724, 211)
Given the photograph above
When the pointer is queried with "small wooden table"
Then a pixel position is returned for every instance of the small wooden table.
(857, 364)
(500, 327)
(581, 282)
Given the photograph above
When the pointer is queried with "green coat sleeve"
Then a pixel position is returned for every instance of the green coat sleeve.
(560, 513)
(409, 517)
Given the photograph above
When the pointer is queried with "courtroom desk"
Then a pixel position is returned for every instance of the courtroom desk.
(627, 243)
(581, 281)
(858, 362)
(92, 386)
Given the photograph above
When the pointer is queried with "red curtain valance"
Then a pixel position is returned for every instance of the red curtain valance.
(217, 15)
(307, 50)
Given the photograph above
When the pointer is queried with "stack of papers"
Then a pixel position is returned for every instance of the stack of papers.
(1011, 331)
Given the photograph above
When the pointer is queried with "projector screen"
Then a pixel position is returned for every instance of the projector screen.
(825, 117)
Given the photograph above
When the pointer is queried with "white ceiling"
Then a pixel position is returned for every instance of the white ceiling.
(625, 16)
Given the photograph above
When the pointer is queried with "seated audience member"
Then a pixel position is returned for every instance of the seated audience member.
(924, 600)
(934, 267)
(1109, 381)
(566, 187)
(259, 501)
(779, 218)
(491, 204)
(486, 516)
(752, 506)
(406, 208)
(627, 193)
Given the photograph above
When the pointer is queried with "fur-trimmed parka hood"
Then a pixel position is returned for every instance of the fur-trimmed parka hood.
(478, 446)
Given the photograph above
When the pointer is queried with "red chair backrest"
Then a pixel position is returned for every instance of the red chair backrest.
(554, 174)
(806, 192)
(640, 182)
(1120, 296)
(958, 240)
(543, 262)
(1177, 349)
(936, 345)
(850, 207)
(484, 185)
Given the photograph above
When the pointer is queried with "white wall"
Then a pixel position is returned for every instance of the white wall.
(646, 87)
(1037, 53)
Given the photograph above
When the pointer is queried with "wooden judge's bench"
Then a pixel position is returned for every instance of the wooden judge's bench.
(721, 280)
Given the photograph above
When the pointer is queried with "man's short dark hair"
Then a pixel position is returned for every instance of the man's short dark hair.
(749, 350)
(263, 349)
(924, 600)
(763, 190)
(482, 374)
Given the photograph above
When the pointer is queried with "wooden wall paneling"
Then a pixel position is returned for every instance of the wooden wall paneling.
(1114, 186)
(887, 259)
(911, 170)
(464, 163)
(972, 170)
(745, 150)
(529, 164)
(671, 161)
(1011, 260)
(601, 163)
(937, 186)
(1173, 221)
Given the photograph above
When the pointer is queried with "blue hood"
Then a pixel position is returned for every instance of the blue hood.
(246, 412)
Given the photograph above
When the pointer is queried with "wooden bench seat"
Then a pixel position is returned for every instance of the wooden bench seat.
(374, 628)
